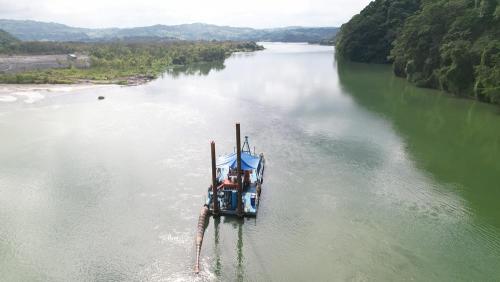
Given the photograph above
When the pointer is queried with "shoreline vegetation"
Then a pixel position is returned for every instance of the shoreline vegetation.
(120, 62)
(450, 45)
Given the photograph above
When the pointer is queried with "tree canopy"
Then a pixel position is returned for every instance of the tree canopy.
(368, 36)
(453, 45)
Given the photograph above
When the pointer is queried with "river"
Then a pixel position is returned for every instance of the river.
(367, 177)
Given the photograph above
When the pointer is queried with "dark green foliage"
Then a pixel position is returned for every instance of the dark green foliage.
(368, 36)
(452, 45)
(487, 73)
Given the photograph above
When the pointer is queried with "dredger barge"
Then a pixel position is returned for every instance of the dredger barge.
(235, 189)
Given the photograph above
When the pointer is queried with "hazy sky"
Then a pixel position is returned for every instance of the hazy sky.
(126, 13)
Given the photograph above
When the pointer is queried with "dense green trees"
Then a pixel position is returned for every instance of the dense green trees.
(119, 60)
(155, 57)
(368, 36)
(487, 74)
(453, 45)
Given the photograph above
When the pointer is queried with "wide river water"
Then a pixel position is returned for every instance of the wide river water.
(367, 177)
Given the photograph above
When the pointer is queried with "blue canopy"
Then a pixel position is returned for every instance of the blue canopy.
(248, 162)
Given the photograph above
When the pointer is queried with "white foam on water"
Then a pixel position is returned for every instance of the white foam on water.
(176, 238)
(66, 88)
(188, 274)
(9, 89)
(162, 271)
(7, 98)
(31, 96)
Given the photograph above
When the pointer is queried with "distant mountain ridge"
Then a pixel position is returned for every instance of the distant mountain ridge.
(28, 30)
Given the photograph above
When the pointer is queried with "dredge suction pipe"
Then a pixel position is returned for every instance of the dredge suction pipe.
(202, 224)
(205, 212)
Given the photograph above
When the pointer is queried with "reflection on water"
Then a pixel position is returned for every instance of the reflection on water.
(198, 69)
(218, 265)
(457, 141)
(232, 223)
(240, 270)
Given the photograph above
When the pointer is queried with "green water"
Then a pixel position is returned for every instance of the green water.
(368, 178)
(456, 141)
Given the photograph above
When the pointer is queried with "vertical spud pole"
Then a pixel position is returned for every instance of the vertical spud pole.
(215, 200)
(238, 156)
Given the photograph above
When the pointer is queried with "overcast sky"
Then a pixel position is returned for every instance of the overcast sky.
(128, 13)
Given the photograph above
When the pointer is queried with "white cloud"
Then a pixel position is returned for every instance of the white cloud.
(126, 13)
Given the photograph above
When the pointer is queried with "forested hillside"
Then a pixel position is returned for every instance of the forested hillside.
(453, 45)
(6, 40)
(6, 37)
(368, 36)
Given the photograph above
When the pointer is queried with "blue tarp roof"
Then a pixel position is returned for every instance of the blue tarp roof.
(248, 161)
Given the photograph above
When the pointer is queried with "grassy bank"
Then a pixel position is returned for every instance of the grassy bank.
(119, 62)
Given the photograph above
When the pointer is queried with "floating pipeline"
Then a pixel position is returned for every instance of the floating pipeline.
(202, 224)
